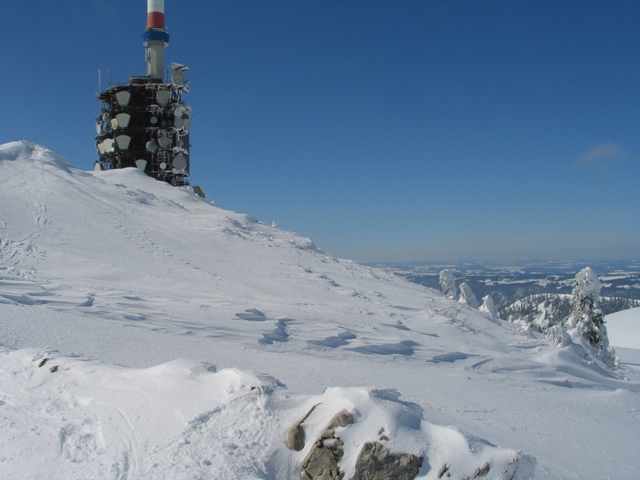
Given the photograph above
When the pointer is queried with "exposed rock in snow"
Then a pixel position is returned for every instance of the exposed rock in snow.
(376, 462)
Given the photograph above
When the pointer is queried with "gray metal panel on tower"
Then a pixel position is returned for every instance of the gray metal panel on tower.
(123, 142)
(123, 120)
(123, 97)
(141, 164)
(187, 120)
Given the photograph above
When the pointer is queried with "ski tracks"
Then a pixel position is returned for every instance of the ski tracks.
(230, 441)
(126, 466)
(18, 258)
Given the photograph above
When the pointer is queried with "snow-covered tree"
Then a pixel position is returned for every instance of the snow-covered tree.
(467, 296)
(558, 336)
(489, 306)
(587, 320)
(448, 283)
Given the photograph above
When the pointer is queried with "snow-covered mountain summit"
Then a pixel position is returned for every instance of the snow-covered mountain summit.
(184, 341)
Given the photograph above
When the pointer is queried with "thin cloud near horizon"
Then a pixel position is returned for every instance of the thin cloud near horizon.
(601, 156)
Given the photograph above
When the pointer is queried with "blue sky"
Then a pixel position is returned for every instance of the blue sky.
(384, 130)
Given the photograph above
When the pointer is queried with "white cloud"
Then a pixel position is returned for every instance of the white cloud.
(600, 156)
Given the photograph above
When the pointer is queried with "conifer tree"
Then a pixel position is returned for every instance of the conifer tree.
(448, 283)
(489, 306)
(587, 320)
(467, 296)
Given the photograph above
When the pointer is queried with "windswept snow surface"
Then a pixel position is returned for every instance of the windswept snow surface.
(623, 329)
(145, 333)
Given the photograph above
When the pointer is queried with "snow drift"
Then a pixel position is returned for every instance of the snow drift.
(145, 332)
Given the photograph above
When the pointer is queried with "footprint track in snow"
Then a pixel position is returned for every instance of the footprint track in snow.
(280, 334)
(335, 341)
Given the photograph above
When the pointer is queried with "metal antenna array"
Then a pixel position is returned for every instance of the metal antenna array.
(145, 124)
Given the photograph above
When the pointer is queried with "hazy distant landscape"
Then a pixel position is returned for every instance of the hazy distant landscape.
(508, 283)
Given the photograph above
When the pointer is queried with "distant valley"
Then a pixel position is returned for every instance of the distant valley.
(511, 283)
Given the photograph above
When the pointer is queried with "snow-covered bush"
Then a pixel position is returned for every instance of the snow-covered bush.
(540, 312)
(586, 322)
(448, 283)
(488, 306)
(467, 297)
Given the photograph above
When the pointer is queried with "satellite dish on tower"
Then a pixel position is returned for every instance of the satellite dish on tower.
(179, 162)
(152, 146)
(108, 145)
(163, 97)
(177, 72)
(163, 139)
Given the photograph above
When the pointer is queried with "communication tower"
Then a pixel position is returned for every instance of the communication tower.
(145, 123)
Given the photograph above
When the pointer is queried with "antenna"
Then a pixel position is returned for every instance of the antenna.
(155, 39)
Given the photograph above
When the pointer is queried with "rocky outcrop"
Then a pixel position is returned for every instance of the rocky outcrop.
(376, 462)
(322, 461)
(296, 435)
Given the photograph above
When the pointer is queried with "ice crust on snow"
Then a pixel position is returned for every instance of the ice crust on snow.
(624, 328)
(188, 339)
(624, 335)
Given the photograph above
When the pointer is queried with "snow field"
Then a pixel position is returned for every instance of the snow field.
(189, 339)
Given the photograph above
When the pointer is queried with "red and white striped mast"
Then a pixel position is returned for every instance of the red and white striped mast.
(156, 38)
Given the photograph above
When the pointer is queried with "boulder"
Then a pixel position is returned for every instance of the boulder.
(322, 461)
(376, 462)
